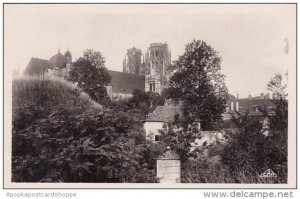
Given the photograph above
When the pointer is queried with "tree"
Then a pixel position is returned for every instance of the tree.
(95, 57)
(91, 76)
(59, 135)
(155, 100)
(198, 83)
(247, 148)
(146, 101)
(278, 87)
(179, 139)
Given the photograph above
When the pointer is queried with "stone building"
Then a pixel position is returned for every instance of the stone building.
(163, 115)
(148, 72)
(156, 67)
(58, 66)
(36, 67)
(156, 120)
(122, 85)
(250, 104)
(133, 62)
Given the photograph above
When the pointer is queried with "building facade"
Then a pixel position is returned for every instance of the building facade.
(58, 66)
(156, 66)
(148, 72)
(133, 62)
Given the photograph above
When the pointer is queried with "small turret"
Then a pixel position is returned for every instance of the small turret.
(68, 56)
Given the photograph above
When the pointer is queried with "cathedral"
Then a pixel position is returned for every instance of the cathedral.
(154, 65)
(147, 72)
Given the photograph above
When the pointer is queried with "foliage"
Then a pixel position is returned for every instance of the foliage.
(248, 149)
(60, 135)
(278, 87)
(198, 83)
(91, 76)
(95, 57)
(179, 139)
(141, 101)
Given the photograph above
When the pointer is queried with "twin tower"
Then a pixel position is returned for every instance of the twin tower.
(154, 65)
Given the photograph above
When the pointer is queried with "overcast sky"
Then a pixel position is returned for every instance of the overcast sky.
(250, 38)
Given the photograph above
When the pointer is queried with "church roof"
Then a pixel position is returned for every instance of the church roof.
(36, 66)
(125, 82)
(58, 60)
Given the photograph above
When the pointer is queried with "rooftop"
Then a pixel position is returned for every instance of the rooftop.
(36, 66)
(58, 60)
(164, 113)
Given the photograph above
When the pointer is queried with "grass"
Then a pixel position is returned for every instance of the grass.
(40, 98)
(222, 175)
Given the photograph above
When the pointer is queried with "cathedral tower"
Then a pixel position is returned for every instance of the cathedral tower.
(156, 67)
(133, 62)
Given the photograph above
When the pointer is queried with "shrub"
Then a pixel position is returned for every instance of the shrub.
(248, 150)
(60, 135)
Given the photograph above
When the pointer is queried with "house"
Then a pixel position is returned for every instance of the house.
(156, 120)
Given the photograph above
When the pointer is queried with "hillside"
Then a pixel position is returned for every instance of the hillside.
(60, 135)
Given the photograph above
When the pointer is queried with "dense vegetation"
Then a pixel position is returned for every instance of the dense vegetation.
(67, 133)
(61, 135)
(247, 152)
(198, 83)
(91, 75)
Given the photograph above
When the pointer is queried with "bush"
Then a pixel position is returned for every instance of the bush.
(60, 135)
(248, 149)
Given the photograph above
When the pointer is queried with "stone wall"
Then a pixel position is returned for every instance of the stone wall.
(168, 171)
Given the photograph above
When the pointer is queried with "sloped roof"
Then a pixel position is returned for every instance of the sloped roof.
(58, 60)
(125, 82)
(164, 113)
(36, 66)
(248, 104)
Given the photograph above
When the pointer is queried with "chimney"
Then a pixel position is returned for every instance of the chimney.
(232, 106)
(237, 106)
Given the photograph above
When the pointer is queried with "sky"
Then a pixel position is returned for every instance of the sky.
(250, 38)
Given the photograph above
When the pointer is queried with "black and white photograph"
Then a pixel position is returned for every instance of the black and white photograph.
(149, 95)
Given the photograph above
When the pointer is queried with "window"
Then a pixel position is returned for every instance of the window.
(156, 138)
(153, 86)
(156, 53)
(150, 87)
